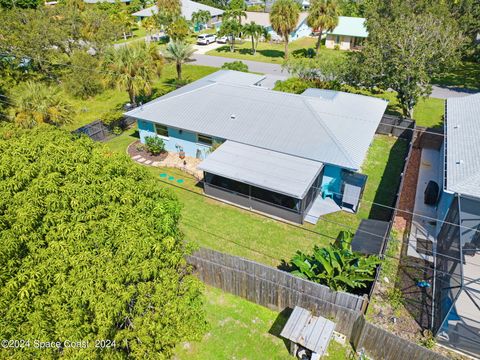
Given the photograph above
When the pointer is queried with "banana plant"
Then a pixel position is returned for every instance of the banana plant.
(336, 266)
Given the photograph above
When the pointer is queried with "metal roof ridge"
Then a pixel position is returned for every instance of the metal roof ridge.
(331, 134)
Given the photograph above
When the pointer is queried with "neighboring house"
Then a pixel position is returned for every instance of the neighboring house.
(294, 157)
(456, 301)
(188, 8)
(263, 19)
(348, 35)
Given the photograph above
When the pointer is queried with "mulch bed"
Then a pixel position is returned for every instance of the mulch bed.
(133, 150)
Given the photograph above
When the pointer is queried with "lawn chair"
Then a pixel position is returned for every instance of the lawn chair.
(327, 190)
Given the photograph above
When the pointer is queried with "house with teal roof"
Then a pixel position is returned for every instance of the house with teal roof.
(349, 34)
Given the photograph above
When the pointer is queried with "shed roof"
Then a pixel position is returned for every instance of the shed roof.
(463, 145)
(188, 8)
(327, 126)
(271, 170)
(311, 332)
(351, 26)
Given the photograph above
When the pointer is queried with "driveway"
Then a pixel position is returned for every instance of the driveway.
(202, 49)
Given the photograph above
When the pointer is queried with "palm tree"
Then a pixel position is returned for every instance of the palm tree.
(149, 24)
(230, 28)
(235, 14)
(254, 31)
(37, 103)
(178, 51)
(133, 68)
(201, 17)
(322, 15)
(284, 19)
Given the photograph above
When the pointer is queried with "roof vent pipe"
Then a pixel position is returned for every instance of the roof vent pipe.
(233, 116)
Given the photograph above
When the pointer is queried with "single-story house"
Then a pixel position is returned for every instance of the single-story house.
(188, 8)
(290, 156)
(349, 33)
(456, 300)
(263, 19)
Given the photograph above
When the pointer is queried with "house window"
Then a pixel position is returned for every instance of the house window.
(161, 130)
(337, 39)
(205, 139)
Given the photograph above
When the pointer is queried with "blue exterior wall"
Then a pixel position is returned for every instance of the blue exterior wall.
(301, 31)
(333, 174)
(177, 140)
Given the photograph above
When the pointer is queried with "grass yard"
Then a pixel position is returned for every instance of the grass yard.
(240, 329)
(429, 112)
(271, 52)
(226, 228)
(114, 99)
(137, 33)
(466, 76)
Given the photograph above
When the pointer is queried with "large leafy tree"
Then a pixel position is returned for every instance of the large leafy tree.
(84, 78)
(133, 68)
(179, 52)
(36, 103)
(284, 18)
(23, 4)
(168, 11)
(90, 249)
(336, 266)
(178, 29)
(322, 16)
(409, 43)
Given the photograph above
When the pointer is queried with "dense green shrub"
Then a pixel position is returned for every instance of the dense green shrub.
(84, 79)
(90, 249)
(336, 266)
(154, 144)
(293, 85)
(235, 65)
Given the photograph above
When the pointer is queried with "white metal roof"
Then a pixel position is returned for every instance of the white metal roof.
(327, 126)
(463, 145)
(351, 26)
(271, 170)
(188, 8)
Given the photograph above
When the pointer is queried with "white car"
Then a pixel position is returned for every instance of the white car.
(222, 40)
(206, 39)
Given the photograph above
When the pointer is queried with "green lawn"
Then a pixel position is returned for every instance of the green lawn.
(223, 227)
(429, 112)
(466, 75)
(240, 329)
(270, 52)
(137, 33)
(113, 99)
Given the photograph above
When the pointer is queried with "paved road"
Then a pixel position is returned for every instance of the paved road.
(274, 72)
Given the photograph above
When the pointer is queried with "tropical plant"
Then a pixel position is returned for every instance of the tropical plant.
(36, 103)
(255, 31)
(179, 29)
(125, 21)
(336, 266)
(201, 17)
(168, 10)
(284, 18)
(133, 68)
(91, 242)
(322, 16)
(83, 80)
(155, 145)
(235, 65)
(230, 28)
(179, 52)
(150, 25)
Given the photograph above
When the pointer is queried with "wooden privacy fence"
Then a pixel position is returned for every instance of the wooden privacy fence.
(396, 126)
(381, 344)
(276, 289)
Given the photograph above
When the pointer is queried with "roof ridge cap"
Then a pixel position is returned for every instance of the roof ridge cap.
(330, 133)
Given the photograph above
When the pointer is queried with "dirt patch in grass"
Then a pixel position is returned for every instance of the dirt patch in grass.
(137, 148)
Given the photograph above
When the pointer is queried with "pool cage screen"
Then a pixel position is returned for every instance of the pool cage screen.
(456, 313)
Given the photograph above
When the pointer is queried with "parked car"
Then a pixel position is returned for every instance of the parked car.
(222, 40)
(206, 39)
